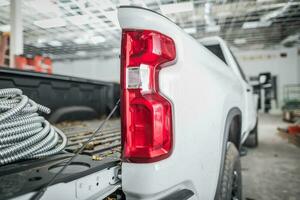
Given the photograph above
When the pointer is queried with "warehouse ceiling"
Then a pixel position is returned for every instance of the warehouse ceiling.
(78, 29)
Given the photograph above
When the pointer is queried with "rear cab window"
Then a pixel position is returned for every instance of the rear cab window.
(239, 67)
(217, 50)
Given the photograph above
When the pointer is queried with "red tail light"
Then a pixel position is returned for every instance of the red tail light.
(146, 114)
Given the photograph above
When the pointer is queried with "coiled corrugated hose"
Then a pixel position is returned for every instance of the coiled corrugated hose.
(23, 133)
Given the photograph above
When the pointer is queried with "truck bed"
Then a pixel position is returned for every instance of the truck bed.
(105, 144)
(103, 152)
(77, 107)
(69, 98)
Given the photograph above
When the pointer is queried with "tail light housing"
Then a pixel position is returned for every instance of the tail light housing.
(146, 114)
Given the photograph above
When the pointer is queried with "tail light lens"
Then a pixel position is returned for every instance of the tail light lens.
(146, 114)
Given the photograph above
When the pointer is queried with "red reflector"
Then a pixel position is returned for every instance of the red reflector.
(146, 114)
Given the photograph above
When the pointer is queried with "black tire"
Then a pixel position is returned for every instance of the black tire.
(252, 140)
(231, 180)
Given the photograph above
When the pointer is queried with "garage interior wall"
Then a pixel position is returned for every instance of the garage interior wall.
(97, 69)
(283, 63)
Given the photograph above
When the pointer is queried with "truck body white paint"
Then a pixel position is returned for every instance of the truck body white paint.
(202, 90)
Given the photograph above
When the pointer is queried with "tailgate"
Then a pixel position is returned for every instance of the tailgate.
(91, 174)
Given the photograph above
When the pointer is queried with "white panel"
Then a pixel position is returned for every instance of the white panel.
(105, 70)
(285, 68)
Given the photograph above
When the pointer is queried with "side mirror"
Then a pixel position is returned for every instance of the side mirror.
(264, 78)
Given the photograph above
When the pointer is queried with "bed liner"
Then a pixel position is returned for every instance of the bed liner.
(101, 153)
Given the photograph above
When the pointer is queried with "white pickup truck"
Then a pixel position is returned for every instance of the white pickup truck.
(186, 109)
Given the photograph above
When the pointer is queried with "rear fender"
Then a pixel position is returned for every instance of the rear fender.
(234, 112)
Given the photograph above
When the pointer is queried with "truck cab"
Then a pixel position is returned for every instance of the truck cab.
(220, 48)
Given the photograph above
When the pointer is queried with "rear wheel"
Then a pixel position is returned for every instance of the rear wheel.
(231, 182)
(252, 140)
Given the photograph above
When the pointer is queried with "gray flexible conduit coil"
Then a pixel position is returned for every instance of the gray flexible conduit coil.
(23, 133)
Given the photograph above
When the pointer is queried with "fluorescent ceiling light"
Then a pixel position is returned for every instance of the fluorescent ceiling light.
(44, 7)
(112, 16)
(83, 39)
(4, 2)
(97, 39)
(80, 40)
(291, 39)
(256, 24)
(190, 30)
(106, 4)
(55, 43)
(240, 41)
(81, 53)
(5, 28)
(50, 23)
(176, 7)
(41, 40)
(276, 13)
(79, 19)
(89, 33)
(213, 28)
(223, 14)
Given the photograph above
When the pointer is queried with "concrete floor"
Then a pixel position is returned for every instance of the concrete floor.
(272, 170)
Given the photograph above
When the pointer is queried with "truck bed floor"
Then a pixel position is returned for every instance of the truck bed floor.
(103, 152)
(106, 143)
